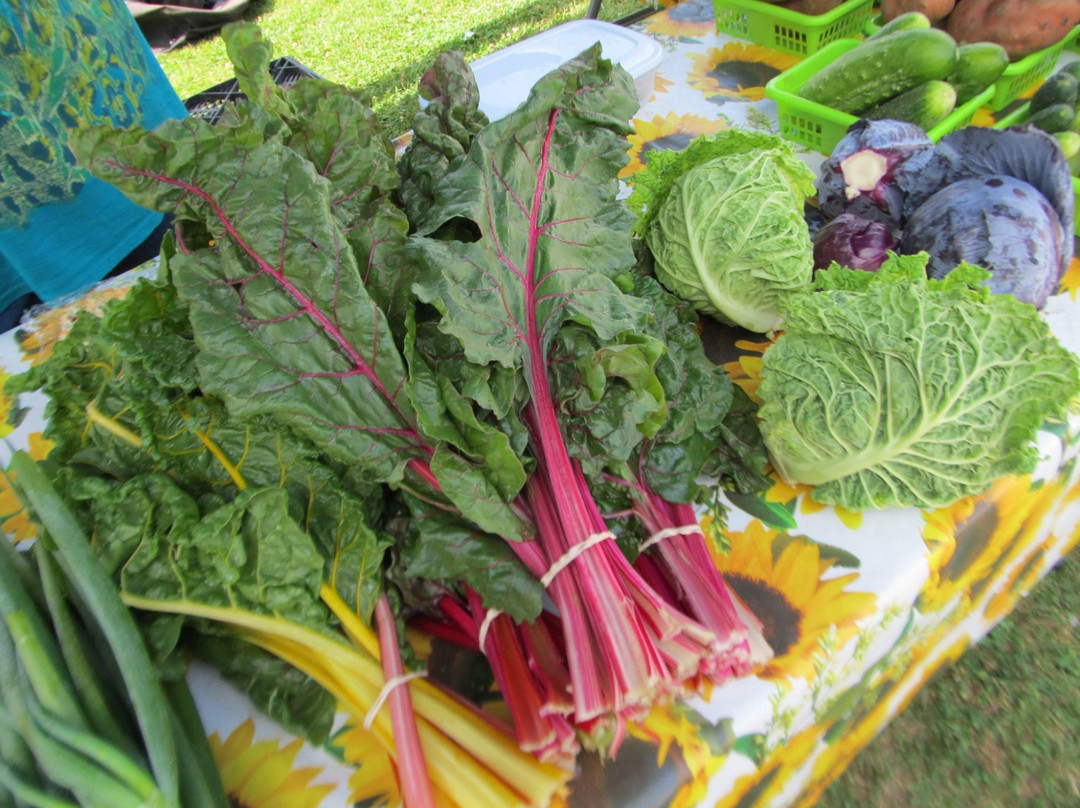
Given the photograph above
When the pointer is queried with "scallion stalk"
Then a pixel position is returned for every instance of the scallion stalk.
(87, 577)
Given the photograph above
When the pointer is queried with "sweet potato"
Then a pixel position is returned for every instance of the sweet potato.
(1019, 26)
(819, 6)
(935, 10)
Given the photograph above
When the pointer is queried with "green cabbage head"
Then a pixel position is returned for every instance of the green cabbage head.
(724, 221)
(889, 389)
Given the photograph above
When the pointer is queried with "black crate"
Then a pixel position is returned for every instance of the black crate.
(210, 103)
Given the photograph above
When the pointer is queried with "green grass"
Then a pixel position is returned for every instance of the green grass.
(999, 729)
(1002, 727)
(381, 47)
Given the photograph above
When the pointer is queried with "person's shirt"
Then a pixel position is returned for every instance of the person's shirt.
(68, 64)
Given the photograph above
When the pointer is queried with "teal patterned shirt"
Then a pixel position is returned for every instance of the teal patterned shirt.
(66, 64)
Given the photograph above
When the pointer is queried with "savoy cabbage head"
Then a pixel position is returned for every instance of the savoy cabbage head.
(723, 219)
(891, 389)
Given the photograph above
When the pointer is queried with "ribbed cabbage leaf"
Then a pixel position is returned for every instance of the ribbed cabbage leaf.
(891, 389)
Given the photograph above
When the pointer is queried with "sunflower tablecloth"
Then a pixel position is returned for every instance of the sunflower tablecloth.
(861, 608)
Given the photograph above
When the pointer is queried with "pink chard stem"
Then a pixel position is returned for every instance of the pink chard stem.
(412, 768)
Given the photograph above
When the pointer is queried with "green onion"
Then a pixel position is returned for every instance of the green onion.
(196, 760)
(27, 793)
(93, 585)
(79, 667)
(100, 752)
(44, 677)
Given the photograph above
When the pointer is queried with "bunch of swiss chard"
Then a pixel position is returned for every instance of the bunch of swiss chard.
(447, 370)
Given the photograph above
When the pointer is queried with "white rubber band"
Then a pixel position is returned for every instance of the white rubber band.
(489, 618)
(549, 576)
(668, 532)
(384, 694)
(568, 557)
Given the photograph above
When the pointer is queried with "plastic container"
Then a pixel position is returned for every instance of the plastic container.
(506, 76)
(821, 127)
(210, 103)
(1023, 74)
(789, 31)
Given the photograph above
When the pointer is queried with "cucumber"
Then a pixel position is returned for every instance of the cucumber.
(1060, 88)
(1054, 118)
(878, 69)
(925, 106)
(903, 22)
(1070, 144)
(1073, 69)
(978, 65)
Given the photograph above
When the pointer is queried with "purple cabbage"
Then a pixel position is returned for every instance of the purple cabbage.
(871, 169)
(998, 222)
(1023, 152)
(853, 242)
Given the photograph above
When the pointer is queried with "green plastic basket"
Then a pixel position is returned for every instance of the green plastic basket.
(1019, 115)
(1023, 74)
(873, 24)
(820, 127)
(789, 31)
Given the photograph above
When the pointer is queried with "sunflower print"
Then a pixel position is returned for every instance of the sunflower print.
(260, 774)
(660, 85)
(969, 543)
(982, 117)
(763, 786)
(686, 22)
(888, 703)
(13, 518)
(374, 780)
(666, 132)
(780, 579)
(784, 493)
(1070, 281)
(1020, 581)
(673, 725)
(736, 72)
(746, 370)
(37, 336)
(1030, 570)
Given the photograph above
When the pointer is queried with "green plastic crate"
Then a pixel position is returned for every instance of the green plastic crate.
(789, 31)
(820, 127)
(1023, 74)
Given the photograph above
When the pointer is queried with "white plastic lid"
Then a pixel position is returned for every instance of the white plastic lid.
(506, 76)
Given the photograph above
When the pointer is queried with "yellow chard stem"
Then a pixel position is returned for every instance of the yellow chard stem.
(503, 772)
(499, 752)
(357, 632)
(97, 418)
(460, 778)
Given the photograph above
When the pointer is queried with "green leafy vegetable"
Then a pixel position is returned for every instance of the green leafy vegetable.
(723, 219)
(891, 389)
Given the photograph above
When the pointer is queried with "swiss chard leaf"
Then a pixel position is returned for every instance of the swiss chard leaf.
(278, 307)
(442, 131)
(124, 403)
(443, 547)
(694, 439)
(248, 555)
(540, 186)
